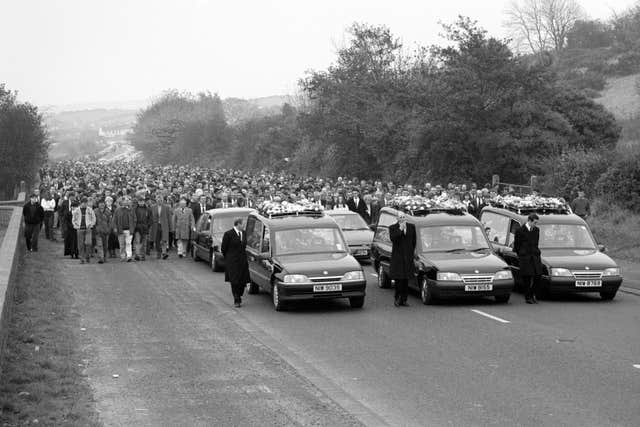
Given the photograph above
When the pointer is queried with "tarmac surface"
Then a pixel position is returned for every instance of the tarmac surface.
(182, 355)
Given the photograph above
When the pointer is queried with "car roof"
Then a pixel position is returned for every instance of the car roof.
(296, 221)
(229, 211)
(437, 218)
(544, 218)
(332, 212)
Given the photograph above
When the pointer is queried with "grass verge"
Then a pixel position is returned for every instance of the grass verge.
(42, 381)
(617, 229)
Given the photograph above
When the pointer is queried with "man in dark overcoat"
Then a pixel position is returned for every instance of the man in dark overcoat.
(33, 214)
(403, 240)
(525, 245)
(236, 272)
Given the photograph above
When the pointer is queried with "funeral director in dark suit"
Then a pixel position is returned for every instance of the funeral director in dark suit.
(525, 245)
(403, 240)
(235, 258)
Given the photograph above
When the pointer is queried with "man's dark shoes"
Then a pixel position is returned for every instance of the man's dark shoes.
(529, 301)
(404, 304)
(165, 256)
(535, 301)
(137, 258)
(396, 303)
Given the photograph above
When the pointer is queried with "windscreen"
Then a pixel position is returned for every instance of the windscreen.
(350, 222)
(222, 224)
(308, 240)
(452, 238)
(565, 236)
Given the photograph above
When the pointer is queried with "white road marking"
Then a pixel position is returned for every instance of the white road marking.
(482, 313)
(374, 274)
(636, 366)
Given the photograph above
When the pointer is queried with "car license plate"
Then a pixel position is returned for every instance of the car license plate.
(327, 288)
(588, 283)
(471, 288)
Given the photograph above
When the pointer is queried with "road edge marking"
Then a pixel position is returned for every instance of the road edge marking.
(490, 316)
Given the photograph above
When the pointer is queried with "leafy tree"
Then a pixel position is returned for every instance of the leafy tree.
(23, 141)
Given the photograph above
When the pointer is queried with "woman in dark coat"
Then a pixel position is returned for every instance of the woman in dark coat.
(525, 245)
(236, 271)
(70, 234)
(403, 240)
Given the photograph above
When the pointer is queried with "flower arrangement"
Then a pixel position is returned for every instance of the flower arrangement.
(271, 208)
(531, 203)
(422, 204)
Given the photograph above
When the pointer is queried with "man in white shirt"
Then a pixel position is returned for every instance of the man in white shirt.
(48, 203)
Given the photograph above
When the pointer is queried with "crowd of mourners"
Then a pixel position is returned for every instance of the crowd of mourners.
(131, 210)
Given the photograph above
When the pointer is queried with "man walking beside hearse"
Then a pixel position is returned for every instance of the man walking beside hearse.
(526, 247)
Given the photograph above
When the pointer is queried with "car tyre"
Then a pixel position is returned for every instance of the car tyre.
(213, 263)
(608, 295)
(502, 299)
(425, 294)
(383, 281)
(278, 305)
(356, 302)
(253, 288)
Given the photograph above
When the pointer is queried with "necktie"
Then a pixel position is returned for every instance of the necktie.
(240, 235)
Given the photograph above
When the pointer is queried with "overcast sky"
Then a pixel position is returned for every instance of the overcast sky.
(79, 51)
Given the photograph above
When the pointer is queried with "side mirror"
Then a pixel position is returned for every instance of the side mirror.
(215, 248)
(372, 227)
(602, 248)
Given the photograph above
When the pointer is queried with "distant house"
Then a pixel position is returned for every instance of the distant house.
(113, 131)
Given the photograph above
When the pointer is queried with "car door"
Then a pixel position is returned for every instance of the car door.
(382, 240)
(508, 254)
(254, 239)
(265, 262)
(496, 227)
(204, 236)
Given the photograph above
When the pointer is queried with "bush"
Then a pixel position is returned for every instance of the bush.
(586, 80)
(575, 170)
(616, 228)
(621, 182)
(628, 63)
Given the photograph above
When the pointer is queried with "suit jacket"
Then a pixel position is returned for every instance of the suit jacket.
(525, 244)
(236, 269)
(402, 252)
(197, 210)
(360, 208)
(162, 220)
(477, 204)
(371, 212)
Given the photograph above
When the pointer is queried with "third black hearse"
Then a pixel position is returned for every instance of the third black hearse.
(572, 260)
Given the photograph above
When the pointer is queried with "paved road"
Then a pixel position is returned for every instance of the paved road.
(184, 356)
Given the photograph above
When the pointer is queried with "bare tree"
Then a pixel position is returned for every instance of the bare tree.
(541, 25)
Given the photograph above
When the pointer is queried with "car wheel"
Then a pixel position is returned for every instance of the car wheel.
(214, 263)
(275, 295)
(194, 252)
(383, 280)
(608, 295)
(356, 302)
(253, 288)
(503, 299)
(425, 294)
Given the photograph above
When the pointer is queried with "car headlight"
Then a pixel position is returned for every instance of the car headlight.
(614, 271)
(448, 276)
(503, 275)
(353, 275)
(560, 272)
(295, 278)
